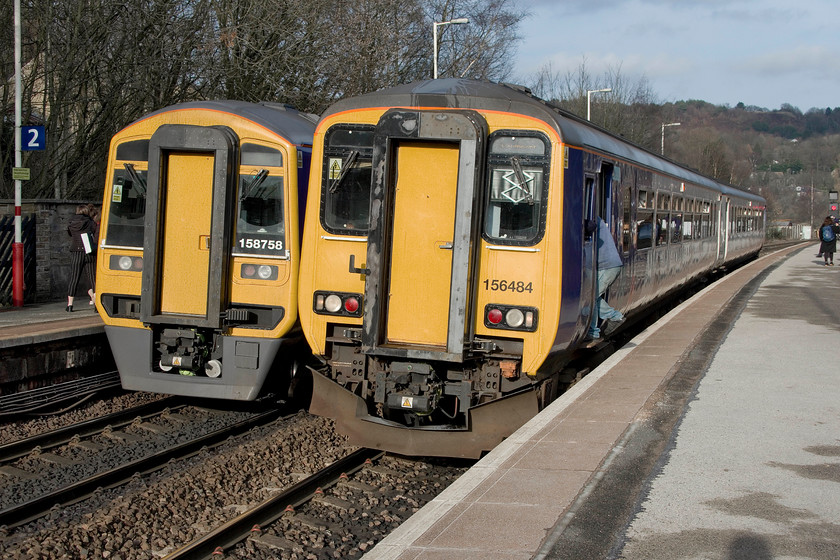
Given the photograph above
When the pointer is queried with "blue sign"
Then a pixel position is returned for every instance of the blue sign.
(32, 138)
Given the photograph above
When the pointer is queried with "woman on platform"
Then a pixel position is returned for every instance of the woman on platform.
(82, 231)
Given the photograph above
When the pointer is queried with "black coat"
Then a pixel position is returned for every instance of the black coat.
(78, 225)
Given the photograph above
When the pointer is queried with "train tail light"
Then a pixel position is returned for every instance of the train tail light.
(510, 317)
(337, 303)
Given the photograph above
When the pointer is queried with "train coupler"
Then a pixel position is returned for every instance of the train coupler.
(409, 387)
(185, 349)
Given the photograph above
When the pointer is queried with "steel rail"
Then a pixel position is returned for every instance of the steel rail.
(33, 509)
(270, 510)
(62, 436)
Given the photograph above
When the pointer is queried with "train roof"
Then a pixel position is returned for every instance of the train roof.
(284, 120)
(483, 95)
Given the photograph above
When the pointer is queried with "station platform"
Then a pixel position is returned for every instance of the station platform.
(715, 433)
(47, 322)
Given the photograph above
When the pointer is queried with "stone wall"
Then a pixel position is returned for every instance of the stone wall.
(52, 244)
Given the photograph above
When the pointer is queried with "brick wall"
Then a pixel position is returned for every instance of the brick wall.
(51, 246)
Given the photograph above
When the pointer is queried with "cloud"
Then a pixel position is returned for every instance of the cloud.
(798, 60)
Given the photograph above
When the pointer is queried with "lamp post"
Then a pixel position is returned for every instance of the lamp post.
(662, 148)
(456, 21)
(589, 93)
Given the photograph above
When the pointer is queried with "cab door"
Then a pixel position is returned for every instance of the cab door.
(424, 230)
(185, 247)
(187, 237)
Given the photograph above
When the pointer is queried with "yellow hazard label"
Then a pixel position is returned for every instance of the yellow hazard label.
(407, 402)
(335, 168)
(176, 360)
(116, 195)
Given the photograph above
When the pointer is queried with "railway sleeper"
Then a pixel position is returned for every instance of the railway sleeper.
(358, 486)
(274, 542)
(334, 502)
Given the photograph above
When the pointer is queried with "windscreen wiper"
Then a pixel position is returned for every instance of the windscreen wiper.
(136, 178)
(346, 165)
(254, 183)
(522, 180)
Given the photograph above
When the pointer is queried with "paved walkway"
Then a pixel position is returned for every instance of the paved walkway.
(762, 425)
(754, 468)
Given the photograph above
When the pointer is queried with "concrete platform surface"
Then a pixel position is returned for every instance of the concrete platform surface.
(44, 322)
(570, 482)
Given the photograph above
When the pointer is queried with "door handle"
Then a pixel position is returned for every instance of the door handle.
(445, 245)
(354, 270)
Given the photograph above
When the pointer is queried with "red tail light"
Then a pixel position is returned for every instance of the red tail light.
(351, 305)
(494, 316)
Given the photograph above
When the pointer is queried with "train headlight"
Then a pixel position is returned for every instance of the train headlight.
(332, 303)
(510, 317)
(126, 263)
(515, 318)
(259, 271)
(337, 303)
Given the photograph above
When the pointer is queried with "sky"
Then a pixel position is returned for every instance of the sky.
(760, 52)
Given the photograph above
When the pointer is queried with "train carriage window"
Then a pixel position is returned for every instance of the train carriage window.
(127, 209)
(644, 220)
(626, 219)
(345, 190)
(676, 219)
(260, 225)
(706, 219)
(518, 164)
(663, 207)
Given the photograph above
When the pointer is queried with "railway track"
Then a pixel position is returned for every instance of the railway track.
(86, 429)
(166, 438)
(340, 511)
(252, 521)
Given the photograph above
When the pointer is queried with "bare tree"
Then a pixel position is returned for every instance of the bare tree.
(482, 49)
(628, 109)
(93, 66)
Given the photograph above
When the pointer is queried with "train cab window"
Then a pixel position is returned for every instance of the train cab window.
(136, 150)
(518, 165)
(260, 225)
(127, 208)
(345, 190)
(644, 220)
(260, 156)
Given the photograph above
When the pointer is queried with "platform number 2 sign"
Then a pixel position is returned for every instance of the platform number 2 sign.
(32, 138)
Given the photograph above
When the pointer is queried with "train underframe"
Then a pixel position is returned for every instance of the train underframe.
(206, 363)
(428, 407)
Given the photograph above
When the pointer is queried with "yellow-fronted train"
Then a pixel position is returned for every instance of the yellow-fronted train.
(198, 254)
(447, 266)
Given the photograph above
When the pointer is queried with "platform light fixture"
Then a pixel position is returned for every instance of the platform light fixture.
(455, 21)
(589, 93)
(662, 147)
